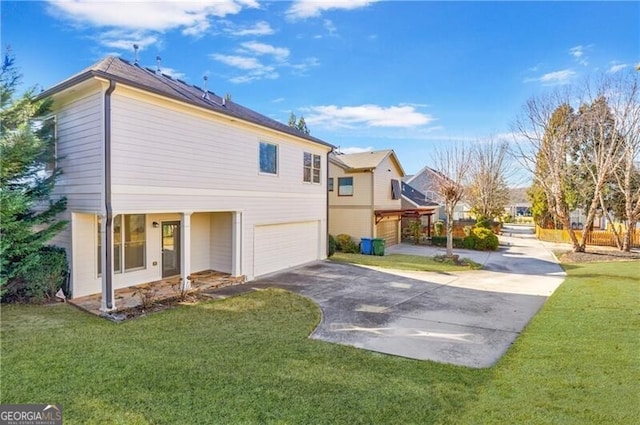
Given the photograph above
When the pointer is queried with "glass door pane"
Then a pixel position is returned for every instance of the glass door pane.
(170, 248)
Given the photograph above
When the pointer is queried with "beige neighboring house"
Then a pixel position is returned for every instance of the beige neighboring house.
(424, 181)
(166, 179)
(365, 195)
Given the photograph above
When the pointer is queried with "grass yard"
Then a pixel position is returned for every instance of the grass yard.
(406, 262)
(248, 360)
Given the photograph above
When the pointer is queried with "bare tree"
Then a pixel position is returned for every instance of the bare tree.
(576, 152)
(624, 101)
(487, 191)
(545, 127)
(451, 165)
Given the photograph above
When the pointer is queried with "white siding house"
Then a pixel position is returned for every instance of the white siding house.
(163, 179)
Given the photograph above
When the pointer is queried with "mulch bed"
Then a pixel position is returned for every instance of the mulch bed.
(597, 255)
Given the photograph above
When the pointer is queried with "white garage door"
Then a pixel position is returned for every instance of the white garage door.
(280, 246)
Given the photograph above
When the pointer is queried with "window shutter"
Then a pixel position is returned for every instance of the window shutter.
(395, 189)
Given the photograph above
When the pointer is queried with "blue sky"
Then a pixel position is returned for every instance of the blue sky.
(402, 75)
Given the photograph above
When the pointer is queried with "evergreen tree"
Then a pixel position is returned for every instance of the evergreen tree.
(292, 120)
(298, 124)
(302, 126)
(27, 211)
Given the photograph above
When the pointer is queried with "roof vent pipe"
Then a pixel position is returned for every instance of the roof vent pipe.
(135, 54)
(205, 95)
(158, 62)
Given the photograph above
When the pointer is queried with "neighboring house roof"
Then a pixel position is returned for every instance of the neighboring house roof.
(424, 173)
(122, 71)
(364, 160)
(416, 197)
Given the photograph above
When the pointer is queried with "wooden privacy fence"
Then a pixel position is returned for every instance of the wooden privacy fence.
(596, 237)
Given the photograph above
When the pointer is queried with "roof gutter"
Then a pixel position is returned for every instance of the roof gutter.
(108, 272)
(326, 194)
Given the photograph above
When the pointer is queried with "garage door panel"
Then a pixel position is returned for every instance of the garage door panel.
(281, 246)
(388, 230)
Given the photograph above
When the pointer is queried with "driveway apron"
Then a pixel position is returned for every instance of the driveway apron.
(463, 318)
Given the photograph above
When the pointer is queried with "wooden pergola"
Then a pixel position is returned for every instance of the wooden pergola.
(407, 213)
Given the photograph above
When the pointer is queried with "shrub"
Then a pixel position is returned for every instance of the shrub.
(469, 242)
(483, 222)
(346, 244)
(442, 241)
(332, 245)
(484, 239)
(42, 278)
(415, 227)
(438, 228)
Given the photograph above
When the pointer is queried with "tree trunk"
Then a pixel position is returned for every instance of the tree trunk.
(588, 227)
(450, 235)
(626, 240)
(616, 234)
(563, 215)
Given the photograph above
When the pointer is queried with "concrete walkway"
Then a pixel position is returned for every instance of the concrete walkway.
(464, 318)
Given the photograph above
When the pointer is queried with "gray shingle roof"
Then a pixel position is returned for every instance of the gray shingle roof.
(147, 79)
(417, 197)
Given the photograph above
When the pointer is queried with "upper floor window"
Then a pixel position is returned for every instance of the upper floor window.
(268, 158)
(345, 186)
(396, 192)
(311, 168)
(330, 184)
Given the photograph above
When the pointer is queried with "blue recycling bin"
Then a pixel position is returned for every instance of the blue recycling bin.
(366, 246)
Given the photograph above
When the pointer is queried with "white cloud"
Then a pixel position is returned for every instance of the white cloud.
(280, 53)
(124, 40)
(302, 9)
(557, 77)
(302, 67)
(266, 73)
(579, 54)
(366, 115)
(355, 149)
(241, 62)
(259, 29)
(147, 15)
(577, 51)
(252, 67)
(330, 27)
(144, 20)
(172, 72)
(616, 67)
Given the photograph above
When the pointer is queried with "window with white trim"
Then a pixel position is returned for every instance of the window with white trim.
(311, 167)
(268, 158)
(129, 243)
(345, 186)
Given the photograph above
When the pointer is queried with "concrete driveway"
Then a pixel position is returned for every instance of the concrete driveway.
(463, 318)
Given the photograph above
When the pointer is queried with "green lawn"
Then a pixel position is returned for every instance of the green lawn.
(248, 360)
(406, 262)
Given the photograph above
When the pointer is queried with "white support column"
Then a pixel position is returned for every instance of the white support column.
(103, 265)
(236, 243)
(185, 248)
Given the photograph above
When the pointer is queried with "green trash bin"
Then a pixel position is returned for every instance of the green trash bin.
(378, 246)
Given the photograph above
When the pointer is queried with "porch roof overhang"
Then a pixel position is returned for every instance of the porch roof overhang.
(405, 212)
